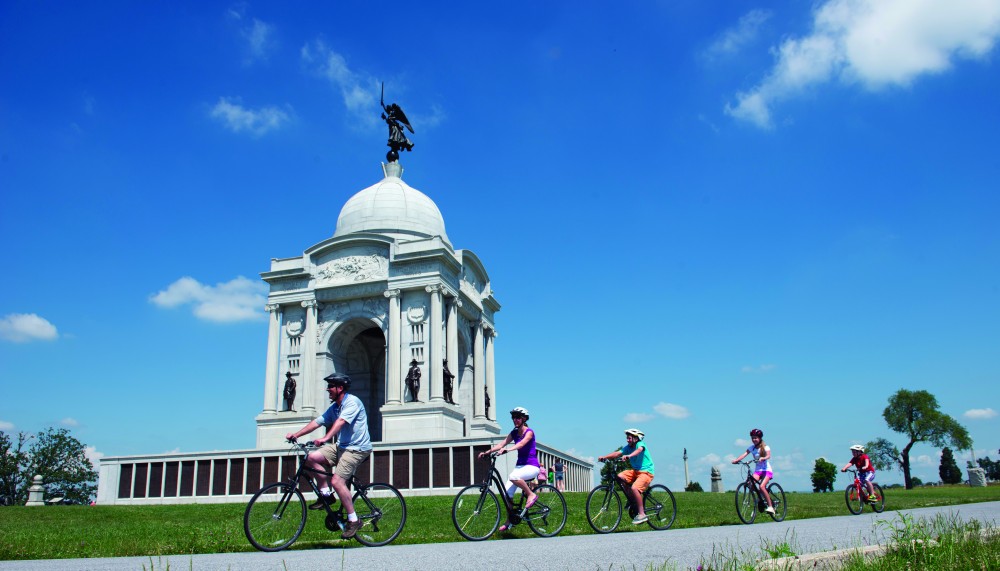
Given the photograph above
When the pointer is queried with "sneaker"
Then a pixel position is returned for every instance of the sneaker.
(769, 510)
(873, 498)
(350, 529)
(322, 501)
(641, 519)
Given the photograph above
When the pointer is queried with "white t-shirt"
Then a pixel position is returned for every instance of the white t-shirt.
(762, 465)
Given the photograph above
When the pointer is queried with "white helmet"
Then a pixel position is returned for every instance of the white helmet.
(519, 411)
(635, 432)
(858, 447)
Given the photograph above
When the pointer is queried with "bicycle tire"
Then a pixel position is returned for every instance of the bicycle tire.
(382, 511)
(476, 512)
(273, 523)
(660, 506)
(604, 509)
(746, 503)
(879, 504)
(854, 502)
(777, 494)
(547, 517)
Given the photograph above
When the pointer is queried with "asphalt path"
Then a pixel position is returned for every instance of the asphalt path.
(682, 548)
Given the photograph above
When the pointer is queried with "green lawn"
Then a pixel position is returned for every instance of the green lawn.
(113, 531)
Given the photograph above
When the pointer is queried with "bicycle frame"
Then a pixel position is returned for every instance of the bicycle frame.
(493, 477)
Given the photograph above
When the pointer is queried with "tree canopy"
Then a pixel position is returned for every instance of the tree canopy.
(915, 414)
(55, 455)
(949, 471)
(823, 476)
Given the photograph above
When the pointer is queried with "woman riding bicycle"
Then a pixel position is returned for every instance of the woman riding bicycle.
(527, 458)
(762, 473)
(866, 470)
(640, 476)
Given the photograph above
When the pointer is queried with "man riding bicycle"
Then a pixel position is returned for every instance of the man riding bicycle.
(347, 419)
(640, 476)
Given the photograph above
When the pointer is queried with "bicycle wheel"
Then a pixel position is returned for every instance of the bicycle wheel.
(777, 501)
(548, 516)
(746, 503)
(604, 509)
(275, 517)
(476, 512)
(879, 504)
(660, 506)
(382, 512)
(854, 502)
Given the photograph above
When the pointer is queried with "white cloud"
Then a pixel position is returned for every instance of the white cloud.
(358, 90)
(741, 442)
(710, 459)
(70, 422)
(94, 456)
(925, 460)
(740, 35)
(238, 119)
(874, 43)
(634, 417)
(24, 327)
(239, 299)
(760, 369)
(979, 413)
(258, 35)
(6, 426)
(670, 410)
(578, 454)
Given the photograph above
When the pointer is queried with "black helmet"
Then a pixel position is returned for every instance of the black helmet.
(340, 380)
(758, 433)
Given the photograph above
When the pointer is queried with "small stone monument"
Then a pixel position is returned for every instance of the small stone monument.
(716, 480)
(36, 493)
(977, 477)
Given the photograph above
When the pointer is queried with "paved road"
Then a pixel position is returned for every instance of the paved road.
(683, 548)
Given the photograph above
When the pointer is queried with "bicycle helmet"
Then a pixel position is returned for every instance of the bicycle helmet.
(756, 433)
(859, 448)
(520, 411)
(340, 380)
(635, 432)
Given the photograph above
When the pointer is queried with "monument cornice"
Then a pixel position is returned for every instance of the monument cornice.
(352, 291)
(349, 239)
(284, 274)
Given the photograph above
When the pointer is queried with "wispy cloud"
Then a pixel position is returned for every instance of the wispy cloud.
(979, 413)
(239, 299)
(25, 327)
(70, 422)
(359, 91)
(237, 118)
(739, 36)
(257, 35)
(925, 460)
(670, 410)
(6, 426)
(873, 43)
(759, 369)
(634, 417)
(741, 442)
(710, 459)
(93, 455)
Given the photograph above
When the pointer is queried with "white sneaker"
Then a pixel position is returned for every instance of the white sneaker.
(769, 510)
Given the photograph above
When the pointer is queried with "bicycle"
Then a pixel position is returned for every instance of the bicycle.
(276, 515)
(604, 504)
(476, 510)
(856, 497)
(749, 499)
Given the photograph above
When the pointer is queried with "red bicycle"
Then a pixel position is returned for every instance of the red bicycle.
(857, 497)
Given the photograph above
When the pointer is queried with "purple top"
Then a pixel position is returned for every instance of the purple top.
(526, 456)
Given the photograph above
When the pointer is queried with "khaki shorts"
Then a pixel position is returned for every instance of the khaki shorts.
(349, 462)
(639, 480)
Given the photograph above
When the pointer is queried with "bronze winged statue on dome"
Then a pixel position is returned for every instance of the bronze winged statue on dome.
(394, 117)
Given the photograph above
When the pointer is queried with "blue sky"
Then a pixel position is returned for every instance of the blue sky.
(700, 217)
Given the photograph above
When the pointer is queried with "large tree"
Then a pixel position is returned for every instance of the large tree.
(59, 458)
(915, 414)
(823, 476)
(949, 470)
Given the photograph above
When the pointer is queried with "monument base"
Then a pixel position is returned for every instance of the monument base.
(419, 421)
(485, 428)
(273, 426)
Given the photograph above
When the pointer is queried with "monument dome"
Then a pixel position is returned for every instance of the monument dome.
(392, 207)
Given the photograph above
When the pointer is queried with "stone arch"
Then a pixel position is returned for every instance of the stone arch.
(356, 347)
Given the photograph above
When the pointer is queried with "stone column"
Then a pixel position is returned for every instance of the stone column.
(271, 367)
(36, 493)
(434, 344)
(393, 373)
(308, 377)
(452, 343)
(479, 374)
(491, 377)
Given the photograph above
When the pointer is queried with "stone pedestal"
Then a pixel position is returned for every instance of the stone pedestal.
(716, 480)
(977, 477)
(419, 421)
(482, 427)
(36, 493)
(272, 427)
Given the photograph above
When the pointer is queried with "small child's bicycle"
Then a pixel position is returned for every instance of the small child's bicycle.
(476, 511)
(750, 500)
(604, 504)
(857, 498)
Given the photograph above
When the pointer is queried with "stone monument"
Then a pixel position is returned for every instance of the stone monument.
(716, 480)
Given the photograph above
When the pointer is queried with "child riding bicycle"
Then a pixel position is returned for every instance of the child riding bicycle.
(866, 470)
(640, 476)
(762, 472)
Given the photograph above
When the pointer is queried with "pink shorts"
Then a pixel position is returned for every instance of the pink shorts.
(760, 475)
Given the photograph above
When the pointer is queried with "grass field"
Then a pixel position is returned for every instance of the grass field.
(54, 532)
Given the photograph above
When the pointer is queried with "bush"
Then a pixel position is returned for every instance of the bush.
(693, 487)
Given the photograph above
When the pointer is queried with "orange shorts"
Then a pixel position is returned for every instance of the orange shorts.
(639, 480)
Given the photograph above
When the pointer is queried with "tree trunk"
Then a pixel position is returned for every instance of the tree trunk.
(905, 454)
